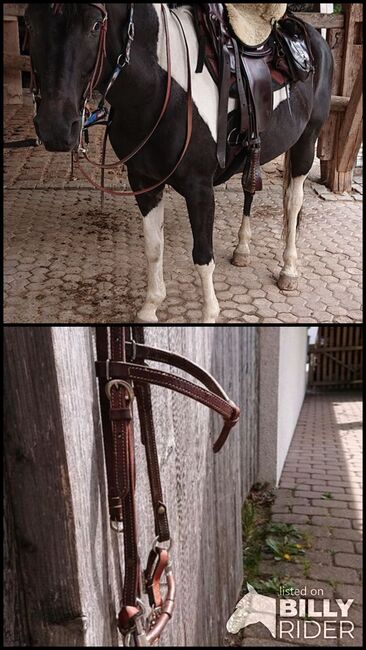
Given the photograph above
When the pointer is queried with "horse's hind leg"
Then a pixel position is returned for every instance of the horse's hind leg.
(298, 163)
(152, 208)
(293, 200)
(201, 209)
(241, 256)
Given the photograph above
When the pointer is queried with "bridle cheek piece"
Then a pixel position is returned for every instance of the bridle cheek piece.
(123, 376)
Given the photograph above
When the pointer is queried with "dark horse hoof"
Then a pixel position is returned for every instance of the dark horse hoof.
(287, 282)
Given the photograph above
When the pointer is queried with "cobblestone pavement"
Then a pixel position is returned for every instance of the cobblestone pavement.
(320, 493)
(67, 261)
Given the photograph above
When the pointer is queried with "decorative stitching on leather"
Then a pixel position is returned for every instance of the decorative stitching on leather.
(186, 387)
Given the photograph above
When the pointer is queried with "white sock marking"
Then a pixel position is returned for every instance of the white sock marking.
(154, 248)
(211, 308)
(245, 235)
(293, 202)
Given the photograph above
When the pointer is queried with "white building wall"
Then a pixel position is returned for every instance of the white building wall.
(291, 388)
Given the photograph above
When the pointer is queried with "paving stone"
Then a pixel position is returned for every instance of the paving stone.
(309, 510)
(339, 502)
(348, 560)
(331, 544)
(353, 514)
(350, 591)
(342, 533)
(242, 299)
(287, 318)
(291, 519)
(246, 309)
(338, 574)
(230, 313)
(358, 546)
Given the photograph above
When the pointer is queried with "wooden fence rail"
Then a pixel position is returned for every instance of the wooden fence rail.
(335, 360)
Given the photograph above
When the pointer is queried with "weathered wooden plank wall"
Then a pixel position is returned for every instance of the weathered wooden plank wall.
(56, 487)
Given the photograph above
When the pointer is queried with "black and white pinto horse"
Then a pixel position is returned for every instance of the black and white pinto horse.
(64, 49)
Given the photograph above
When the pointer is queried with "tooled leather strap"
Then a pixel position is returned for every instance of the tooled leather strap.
(136, 351)
(120, 458)
(215, 399)
(119, 453)
(117, 375)
(143, 397)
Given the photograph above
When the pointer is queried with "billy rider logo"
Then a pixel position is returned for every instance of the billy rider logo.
(297, 617)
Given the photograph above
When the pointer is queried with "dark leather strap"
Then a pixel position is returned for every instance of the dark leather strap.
(122, 373)
(168, 91)
(144, 374)
(244, 109)
(189, 127)
(223, 107)
(143, 397)
(137, 351)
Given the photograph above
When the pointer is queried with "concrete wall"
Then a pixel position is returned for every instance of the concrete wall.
(291, 387)
(282, 383)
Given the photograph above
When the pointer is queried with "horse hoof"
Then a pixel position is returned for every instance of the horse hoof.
(146, 317)
(211, 316)
(287, 282)
(239, 259)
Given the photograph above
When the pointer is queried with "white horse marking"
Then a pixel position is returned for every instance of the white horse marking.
(242, 251)
(211, 308)
(154, 249)
(294, 199)
(204, 90)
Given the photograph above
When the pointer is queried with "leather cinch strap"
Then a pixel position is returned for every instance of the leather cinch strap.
(123, 375)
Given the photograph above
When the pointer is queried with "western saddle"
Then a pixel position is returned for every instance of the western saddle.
(248, 74)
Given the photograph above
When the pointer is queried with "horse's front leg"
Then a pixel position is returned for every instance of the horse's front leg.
(201, 209)
(241, 255)
(152, 209)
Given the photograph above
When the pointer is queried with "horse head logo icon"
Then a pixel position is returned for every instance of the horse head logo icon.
(253, 608)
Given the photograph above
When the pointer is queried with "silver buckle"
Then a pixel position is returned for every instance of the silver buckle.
(116, 383)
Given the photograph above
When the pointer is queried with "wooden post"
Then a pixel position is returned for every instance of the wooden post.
(350, 136)
(13, 93)
(325, 152)
(347, 52)
(53, 479)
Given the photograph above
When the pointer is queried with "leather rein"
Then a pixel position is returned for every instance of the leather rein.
(101, 114)
(123, 376)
